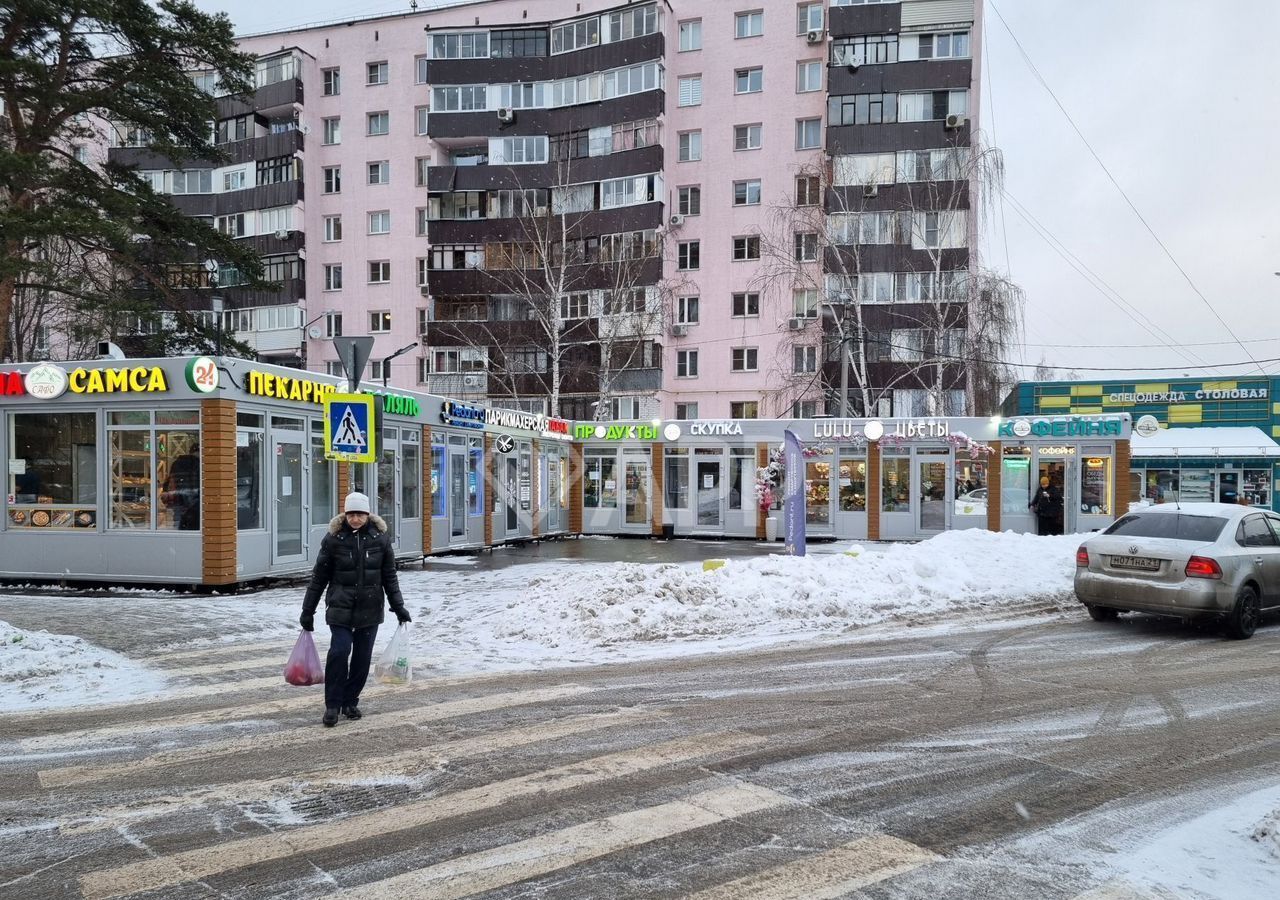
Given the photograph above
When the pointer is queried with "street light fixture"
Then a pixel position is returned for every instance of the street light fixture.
(386, 363)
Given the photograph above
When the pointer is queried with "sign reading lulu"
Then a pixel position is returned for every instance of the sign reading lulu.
(283, 387)
(1184, 396)
(588, 432)
(906, 429)
(1061, 428)
(137, 380)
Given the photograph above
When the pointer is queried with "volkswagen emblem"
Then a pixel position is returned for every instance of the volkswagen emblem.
(1133, 548)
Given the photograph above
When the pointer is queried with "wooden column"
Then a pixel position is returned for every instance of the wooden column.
(428, 495)
(1120, 479)
(994, 471)
(762, 460)
(218, 491)
(535, 489)
(489, 492)
(575, 488)
(655, 457)
(873, 490)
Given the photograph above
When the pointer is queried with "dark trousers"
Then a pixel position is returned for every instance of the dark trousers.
(1049, 524)
(343, 682)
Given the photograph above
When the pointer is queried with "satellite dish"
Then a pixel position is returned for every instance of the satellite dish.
(315, 332)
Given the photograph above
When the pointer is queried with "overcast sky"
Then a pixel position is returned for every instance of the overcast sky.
(1178, 98)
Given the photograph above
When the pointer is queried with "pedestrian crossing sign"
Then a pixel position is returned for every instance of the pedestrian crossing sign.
(349, 433)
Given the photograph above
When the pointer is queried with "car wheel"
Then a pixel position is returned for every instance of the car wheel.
(1102, 613)
(1242, 622)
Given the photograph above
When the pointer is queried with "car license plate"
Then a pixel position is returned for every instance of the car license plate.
(1136, 563)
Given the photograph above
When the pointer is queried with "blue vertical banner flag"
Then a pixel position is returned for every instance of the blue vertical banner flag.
(793, 493)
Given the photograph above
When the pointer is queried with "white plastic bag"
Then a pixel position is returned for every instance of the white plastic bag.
(393, 663)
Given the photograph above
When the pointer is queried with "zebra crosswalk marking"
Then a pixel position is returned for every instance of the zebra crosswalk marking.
(191, 865)
(546, 853)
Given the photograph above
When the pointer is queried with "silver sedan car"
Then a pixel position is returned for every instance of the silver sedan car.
(1194, 560)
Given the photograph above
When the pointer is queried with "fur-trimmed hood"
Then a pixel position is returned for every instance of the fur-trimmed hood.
(335, 524)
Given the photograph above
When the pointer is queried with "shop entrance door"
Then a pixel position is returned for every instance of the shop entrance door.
(289, 544)
(637, 492)
(1228, 487)
(1056, 471)
(457, 494)
(512, 493)
(708, 493)
(553, 493)
(389, 484)
(933, 492)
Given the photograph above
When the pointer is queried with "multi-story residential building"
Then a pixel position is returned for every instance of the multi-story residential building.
(631, 210)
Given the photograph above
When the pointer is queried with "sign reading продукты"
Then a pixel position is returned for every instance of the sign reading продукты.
(349, 433)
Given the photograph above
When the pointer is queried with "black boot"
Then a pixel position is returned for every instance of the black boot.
(352, 712)
(330, 716)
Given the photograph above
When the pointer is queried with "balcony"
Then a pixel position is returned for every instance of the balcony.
(638, 380)
(918, 75)
(645, 105)
(276, 97)
(503, 177)
(460, 385)
(284, 143)
(895, 136)
(601, 58)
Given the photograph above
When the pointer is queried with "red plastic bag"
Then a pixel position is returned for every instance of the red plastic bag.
(304, 666)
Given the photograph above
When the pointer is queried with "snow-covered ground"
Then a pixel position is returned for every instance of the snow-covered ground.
(42, 670)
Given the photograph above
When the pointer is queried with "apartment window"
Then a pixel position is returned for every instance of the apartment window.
(691, 35)
(380, 172)
(277, 170)
(924, 106)
(690, 146)
(460, 98)
(332, 229)
(575, 306)
(686, 411)
(746, 305)
(747, 137)
(804, 360)
(689, 200)
(808, 190)
(687, 310)
(690, 91)
(378, 123)
(575, 35)
(234, 181)
(331, 80)
(748, 24)
(421, 165)
(804, 409)
(743, 359)
(229, 130)
(952, 45)
(748, 81)
(521, 150)
(333, 277)
(379, 271)
(746, 193)
(808, 76)
(808, 18)
(526, 360)
(906, 345)
(457, 256)
(376, 73)
(864, 50)
(420, 120)
(686, 363)
(808, 134)
(804, 303)
(745, 409)
(806, 247)
(332, 130)
(468, 45)
(863, 169)
(688, 255)
(948, 164)
(420, 70)
(332, 179)
(747, 247)
(380, 222)
(862, 109)
(379, 321)
(231, 226)
(512, 43)
(278, 218)
(626, 191)
(333, 325)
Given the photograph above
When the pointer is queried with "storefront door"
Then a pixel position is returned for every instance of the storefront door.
(933, 489)
(708, 493)
(388, 483)
(553, 491)
(511, 493)
(289, 545)
(637, 492)
(457, 494)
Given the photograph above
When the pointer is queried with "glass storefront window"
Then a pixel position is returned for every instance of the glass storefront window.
(386, 506)
(475, 485)
(155, 470)
(249, 446)
(526, 478)
(322, 472)
(895, 483)
(410, 481)
(817, 492)
(1255, 487)
(675, 478)
(131, 478)
(178, 473)
(853, 483)
(53, 470)
(1015, 482)
(1095, 485)
(437, 479)
(971, 484)
(742, 482)
(599, 483)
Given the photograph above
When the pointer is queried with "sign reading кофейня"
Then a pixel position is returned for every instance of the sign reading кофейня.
(1061, 428)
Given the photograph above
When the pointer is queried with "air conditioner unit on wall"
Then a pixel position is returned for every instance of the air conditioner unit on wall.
(679, 330)
(814, 36)
(871, 190)
(954, 121)
(797, 324)
(506, 114)
(473, 381)
(676, 220)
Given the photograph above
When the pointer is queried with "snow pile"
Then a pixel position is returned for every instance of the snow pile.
(1267, 833)
(782, 596)
(42, 670)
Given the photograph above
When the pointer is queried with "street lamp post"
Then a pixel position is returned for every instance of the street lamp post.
(305, 335)
(386, 363)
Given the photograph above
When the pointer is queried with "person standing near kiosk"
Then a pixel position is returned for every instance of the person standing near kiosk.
(1047, 504)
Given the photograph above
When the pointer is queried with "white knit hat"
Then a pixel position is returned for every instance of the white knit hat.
(356, 502)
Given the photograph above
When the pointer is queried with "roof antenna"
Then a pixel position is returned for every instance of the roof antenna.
(413, 5)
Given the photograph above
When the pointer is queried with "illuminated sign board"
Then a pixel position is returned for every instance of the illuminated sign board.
(1061, 428)
(1184, 396)
(399, 405)
(704, 429)
(12, 384)
(588, 432)
(284, 387)
(461, 415)
(136, 380)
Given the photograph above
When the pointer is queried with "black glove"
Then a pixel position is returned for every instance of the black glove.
(307, 621)
(402, 615)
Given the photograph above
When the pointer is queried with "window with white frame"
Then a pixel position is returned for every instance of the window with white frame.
(748, 137)
(808, 134)
(745, 305)
(459, 98)
(746, 247)
(906, 344)
(689, 146)
(617, 192)
(333, 277)
(690, 35)
(689, 200)
(575, 306)
(376, 73)
(631, 23)
(686, 363)
(748, 81)
(687, 310)
(331, 130)
(332, 179)
(804, 360)
(457, 256)
(379, 271)
(456, 360)
(862, 169)
(688, 255)
(808, 76)
(276, 219)
(380, 172)
(527, 360)
(925, 106)
(378, 123)
(333, 325)
(379, 321)
(804, 303)
(421, 166)
(946, 229)
(690, 90)
(743, 359)
(232, 225)
(575, 35)
(572, 198)
(332, 229)
(420, 120)
(236, 180)
(808, 190)
(460, 45)
(518, 150)
(748, 24)
(946, 45)
(808, 18)
(629, 80)
(746, 192)
(943, 164)
(523, 95)
(331, 81)
(420, 70)
(686, 411)
(380, 222)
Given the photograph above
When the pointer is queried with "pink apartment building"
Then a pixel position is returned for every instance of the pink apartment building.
(402, 174)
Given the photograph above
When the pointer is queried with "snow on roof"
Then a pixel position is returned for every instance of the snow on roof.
(1227, 441)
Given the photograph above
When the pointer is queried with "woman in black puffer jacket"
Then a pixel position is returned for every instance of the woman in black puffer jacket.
(358, 566)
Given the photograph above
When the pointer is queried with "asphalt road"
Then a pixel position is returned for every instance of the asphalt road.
(994, 760)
